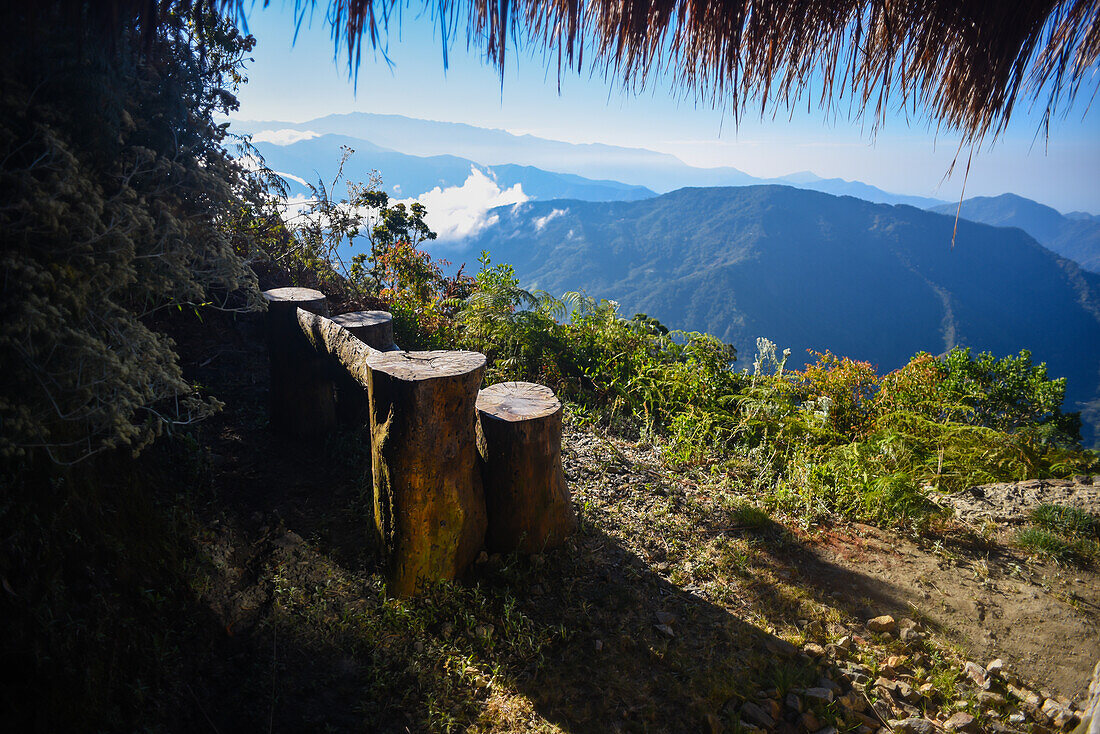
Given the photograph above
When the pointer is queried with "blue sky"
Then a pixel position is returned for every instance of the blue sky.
(302, 80)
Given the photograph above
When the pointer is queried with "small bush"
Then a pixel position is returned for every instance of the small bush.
(1045, 543)
(1069, 521)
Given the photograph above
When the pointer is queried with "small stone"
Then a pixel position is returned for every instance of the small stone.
(882, 624)
(844, 643)
(913, 725)
(794, 703)
(826, 682)
(989, 698)
(827, 730)
(598, 644)
(780, 647)
(976, 673)
(665, 630)
(771, 705)
(867, 721)
(1031, 698)
(756, 715)
(961, 721)
(1017, 719)
(666, 618)
(814, 650)
(819, 694)
(810, 722)
(896, 661)
(1060, 715)
(995, 667)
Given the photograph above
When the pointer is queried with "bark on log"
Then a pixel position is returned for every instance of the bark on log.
(1090, 713)
(429, 505)
(302, 403)
(375, 329)
(526, 496)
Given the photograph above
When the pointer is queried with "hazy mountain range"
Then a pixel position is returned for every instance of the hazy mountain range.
(814, 271)
(423, 141)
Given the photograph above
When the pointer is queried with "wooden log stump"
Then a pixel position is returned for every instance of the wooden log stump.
(302, 402)
(429, 506)
(526, 496)
(375, 329)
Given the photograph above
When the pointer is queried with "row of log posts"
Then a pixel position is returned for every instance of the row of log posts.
(453, 469)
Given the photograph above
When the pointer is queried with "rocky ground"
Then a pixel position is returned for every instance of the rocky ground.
(1010, 502)
(955, 632)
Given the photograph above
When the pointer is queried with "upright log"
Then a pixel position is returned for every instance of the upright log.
(302, 403)
(526, 496)
(429, 506)
(375, 329)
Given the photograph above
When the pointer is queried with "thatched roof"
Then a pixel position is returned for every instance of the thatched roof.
(964, 64)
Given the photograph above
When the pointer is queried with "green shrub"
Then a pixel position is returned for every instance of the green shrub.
(1069, 521)
(1045, 543)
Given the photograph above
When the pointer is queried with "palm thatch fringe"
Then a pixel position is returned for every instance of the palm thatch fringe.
(965, 64)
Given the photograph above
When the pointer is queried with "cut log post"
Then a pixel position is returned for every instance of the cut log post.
(429, 506)
(302, 403)
(375, 329)
(526, 496)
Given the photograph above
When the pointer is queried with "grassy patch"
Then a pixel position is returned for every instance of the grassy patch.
(1068, 521)
(1045, 543)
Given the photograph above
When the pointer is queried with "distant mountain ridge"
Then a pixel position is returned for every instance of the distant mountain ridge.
(814, 271)
(1075, 235)
(489, 147)
(408, 175)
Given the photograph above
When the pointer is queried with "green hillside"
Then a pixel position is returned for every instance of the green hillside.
(813, 271)
(1075, 236)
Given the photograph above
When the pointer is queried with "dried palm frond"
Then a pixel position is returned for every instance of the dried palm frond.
(963, 64)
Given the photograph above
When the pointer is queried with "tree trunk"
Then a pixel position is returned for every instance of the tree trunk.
(526, 497)
(302, 403)
(375, 329)
(429, 506)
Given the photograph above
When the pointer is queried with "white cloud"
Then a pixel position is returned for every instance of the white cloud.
(458, 212)
(284, 137)
(292, 177)
(540, 222)
(252, 163)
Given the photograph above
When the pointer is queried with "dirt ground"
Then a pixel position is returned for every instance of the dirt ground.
(1042, 618)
